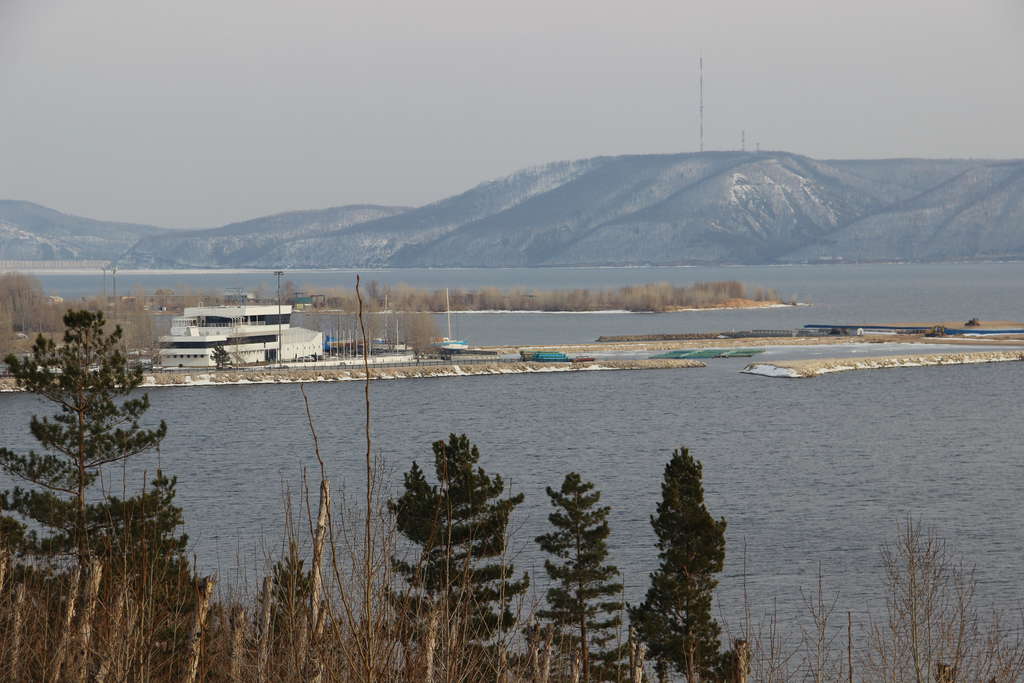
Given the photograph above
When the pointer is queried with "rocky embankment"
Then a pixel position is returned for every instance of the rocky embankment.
(292, 375)
(796, 369)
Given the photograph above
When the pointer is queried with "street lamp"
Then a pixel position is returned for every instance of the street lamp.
(280, 339)
(113, 277)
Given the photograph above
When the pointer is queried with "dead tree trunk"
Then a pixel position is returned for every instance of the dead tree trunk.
(310, 655)
(14, 669)
(195, 644)
(317, 669)
(238, 623)
(263, 648)
(742, 650)
(65, 633)
(85, 618)
(637, 655)
(545, 669)
(109, 669)
(430, 644)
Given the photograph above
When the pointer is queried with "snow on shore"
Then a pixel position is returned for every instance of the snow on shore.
(294, 375)
(816, 367)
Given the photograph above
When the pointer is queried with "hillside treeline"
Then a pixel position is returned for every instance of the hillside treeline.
(653, 297)
(417, 584)
(26, 310)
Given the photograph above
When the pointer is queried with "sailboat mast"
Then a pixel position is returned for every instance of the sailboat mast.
(448, 308)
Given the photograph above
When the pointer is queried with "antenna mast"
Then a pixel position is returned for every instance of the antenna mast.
(700, 89)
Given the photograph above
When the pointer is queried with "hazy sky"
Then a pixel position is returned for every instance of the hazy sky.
(194, 113)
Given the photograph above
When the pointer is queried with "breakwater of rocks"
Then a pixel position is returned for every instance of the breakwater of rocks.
(797, 369)
(201, 377)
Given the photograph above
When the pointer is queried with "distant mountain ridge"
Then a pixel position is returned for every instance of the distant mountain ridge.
(665, 209)
(249, 243)
(30, 232)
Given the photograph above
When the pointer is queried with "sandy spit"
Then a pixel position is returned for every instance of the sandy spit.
(746, 342)
(228, 377)
(797, 369)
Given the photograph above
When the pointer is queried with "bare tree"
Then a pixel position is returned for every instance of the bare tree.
(821, 661)
(932, 629)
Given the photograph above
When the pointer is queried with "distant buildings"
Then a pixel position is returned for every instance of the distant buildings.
(249, 334)
(302, 300)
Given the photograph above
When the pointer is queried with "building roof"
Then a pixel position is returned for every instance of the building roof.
(236, 311)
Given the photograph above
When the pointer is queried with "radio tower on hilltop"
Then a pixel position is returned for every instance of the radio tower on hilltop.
(700, 90)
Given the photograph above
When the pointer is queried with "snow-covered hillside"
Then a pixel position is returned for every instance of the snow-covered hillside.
(713, 207)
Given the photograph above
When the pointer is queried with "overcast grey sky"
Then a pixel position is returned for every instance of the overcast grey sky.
(194, 113)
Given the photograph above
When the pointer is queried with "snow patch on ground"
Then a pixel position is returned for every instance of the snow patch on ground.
(817, 367)
(767, 370)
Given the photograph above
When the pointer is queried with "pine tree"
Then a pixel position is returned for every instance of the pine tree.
(221, 358)
(582, 604)
(460, 526)
(141, 539)
(675, 618)
(84, 376)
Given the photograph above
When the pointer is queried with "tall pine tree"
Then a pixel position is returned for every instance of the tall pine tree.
(582, 604)
(89, 379)
(675, 618)
(461, 527)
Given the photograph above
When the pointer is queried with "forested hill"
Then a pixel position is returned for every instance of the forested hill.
(713, 207)
(257, 242)
(30, 232)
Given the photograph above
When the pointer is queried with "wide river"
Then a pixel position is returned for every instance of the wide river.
(808, 473)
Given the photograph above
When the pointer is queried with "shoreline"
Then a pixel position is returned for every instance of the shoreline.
(717, 343)
(742, 307)
(202, 377)
(804, 369)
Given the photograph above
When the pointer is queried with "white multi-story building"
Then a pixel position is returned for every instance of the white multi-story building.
(248, 333)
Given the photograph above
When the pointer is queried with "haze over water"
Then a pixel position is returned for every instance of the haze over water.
(806, 472)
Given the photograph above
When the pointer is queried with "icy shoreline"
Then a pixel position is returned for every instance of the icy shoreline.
(293, 376)
(799, 369)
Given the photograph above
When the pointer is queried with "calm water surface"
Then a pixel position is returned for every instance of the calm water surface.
(806, 472)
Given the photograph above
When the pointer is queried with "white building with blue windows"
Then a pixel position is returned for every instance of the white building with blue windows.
(250, 334)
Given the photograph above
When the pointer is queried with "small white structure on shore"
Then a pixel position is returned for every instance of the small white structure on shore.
(250, 334)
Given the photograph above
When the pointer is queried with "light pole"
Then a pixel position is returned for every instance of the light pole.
(113, 278)
(280, 339)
